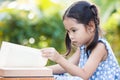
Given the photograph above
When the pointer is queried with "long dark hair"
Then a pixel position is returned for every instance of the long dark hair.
(83, 12)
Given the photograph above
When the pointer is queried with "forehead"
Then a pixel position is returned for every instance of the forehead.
(69, 20)
(71, 23)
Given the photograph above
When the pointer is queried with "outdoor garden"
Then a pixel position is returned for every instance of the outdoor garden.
(38, 23)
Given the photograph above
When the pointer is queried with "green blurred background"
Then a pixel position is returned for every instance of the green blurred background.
(38, 23)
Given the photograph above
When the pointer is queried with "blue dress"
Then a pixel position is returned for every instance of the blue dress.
(107, 70)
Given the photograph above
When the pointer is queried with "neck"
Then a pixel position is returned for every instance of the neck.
(90, 40)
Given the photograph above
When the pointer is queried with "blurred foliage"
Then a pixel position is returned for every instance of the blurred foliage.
(47, 31)
(112, 28)
(41, 25)
(41, 31)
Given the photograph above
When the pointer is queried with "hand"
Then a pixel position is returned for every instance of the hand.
(51, 54)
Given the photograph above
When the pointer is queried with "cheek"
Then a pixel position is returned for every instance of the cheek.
(83, 38)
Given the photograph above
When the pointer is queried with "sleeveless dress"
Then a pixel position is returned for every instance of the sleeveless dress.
(107, 70)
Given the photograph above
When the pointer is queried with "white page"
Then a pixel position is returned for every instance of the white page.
(14, 55)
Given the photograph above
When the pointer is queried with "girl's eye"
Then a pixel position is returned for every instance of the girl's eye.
(73, 30)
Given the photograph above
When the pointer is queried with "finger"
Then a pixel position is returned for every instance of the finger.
(46, 55)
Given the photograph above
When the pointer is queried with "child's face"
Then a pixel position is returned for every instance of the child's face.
(78, 33)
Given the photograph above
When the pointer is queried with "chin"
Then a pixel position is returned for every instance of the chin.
(75, 45)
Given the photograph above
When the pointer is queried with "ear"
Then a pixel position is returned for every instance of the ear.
(91, 26)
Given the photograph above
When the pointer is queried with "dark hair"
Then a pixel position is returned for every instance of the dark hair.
(83, 12)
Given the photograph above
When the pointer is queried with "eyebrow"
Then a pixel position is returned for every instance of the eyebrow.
(71, 28)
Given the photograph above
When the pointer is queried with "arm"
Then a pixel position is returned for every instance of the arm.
(95, 58)
(74, 59)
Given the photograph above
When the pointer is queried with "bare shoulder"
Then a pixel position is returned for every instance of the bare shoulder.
(100, 50)
(100, 45)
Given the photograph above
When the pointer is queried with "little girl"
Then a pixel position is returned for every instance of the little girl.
(93, 58)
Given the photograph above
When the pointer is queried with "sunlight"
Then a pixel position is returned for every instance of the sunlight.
(55, 1)
(31, 16)
(31, 40)
(12, 4)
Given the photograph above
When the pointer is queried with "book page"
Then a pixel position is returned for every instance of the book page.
(14, 55)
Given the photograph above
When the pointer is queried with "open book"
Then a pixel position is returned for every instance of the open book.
(18, 60)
